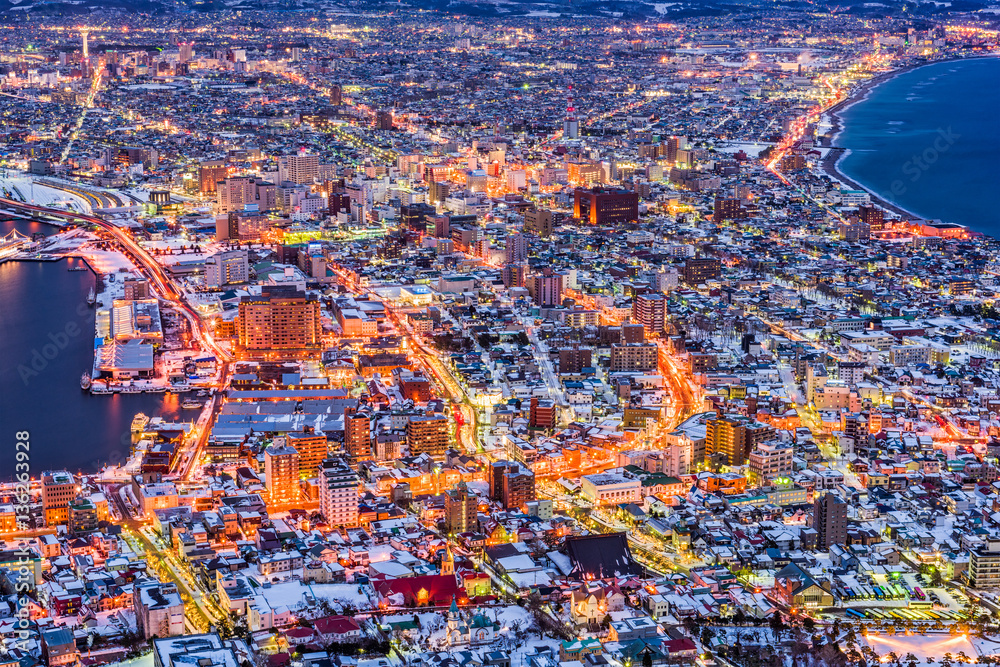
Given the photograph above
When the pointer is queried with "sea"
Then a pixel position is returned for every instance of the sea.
(46, 344)
(926, 140)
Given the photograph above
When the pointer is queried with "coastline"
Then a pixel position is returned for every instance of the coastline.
(831, 161)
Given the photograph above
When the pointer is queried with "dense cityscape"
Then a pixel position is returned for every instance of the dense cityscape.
(538, 341)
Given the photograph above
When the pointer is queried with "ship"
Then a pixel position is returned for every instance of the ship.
(91, 297)
(85, 381)
(191, 405)
(139, 422)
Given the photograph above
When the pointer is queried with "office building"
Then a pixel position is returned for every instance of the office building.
(771, 459)
(428, 435)
(280, 323)
(542, 413)
(227, 268)
(209, 175)
(461, 511)
(830, 520)
(602, 206)
(281, 476)
(58, 490)
(338, 494)
(701, 270)
(245, 193)
(726, 441)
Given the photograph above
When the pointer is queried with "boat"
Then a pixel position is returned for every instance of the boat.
(202, 393)
(191, 405)
(77, 268)
(156, 389)
(85, 381)
(91, 297)
(139, 422)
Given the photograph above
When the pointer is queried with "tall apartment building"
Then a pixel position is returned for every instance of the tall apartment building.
(575, 359)
(209, 174)
(639, 357)
(830, 520)
(650, 310)
(427, 435)
(58, 490)
(300, 168)
(159, 610)
(516, 249)
(312, 449)
(726, 441)
(237, 193)
(539, 221)
(281, 323)
(771, 459)
(281, 475)
(227, 268)
(511, 484)
(358, 436)
(461, 510)
(547, 288)
(338, 493)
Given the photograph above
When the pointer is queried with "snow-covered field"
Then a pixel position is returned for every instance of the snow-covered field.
(24, 188)
(922, 646)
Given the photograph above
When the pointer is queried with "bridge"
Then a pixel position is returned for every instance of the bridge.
(11, 244)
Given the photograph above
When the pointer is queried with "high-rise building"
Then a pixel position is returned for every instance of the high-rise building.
(542, 413)
(58, 490)
(185, 52)
(539, 221)
(336, 95)
(872, 216)
(547, 287)
(514, 275)
(300, 168)
(281, 475)
(575, 359)
(227, 268)
(135, 288)
(650, 310)
(516, 249)
(511, 484)
(358, 436)
(209, 175)
(437, 191)
(427, 435)
(312, 449)
(726, 441)
(338, 493)
(602, 206)
(460, 510)
(243, 193)
(830, 520)
(280, 323)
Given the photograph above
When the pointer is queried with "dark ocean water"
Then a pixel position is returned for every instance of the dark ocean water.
(928, 140)
(46, 343)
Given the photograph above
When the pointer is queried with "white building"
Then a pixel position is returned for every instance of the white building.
(610, 489)
(338, 493)
(227, 268)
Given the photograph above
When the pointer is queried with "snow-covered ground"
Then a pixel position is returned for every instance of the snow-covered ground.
(922, 646)
(24, 188)
(292, 594)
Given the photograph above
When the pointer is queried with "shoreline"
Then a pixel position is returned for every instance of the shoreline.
(830, 164)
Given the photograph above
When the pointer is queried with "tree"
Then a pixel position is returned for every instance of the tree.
(777, 625)
(647, 659)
